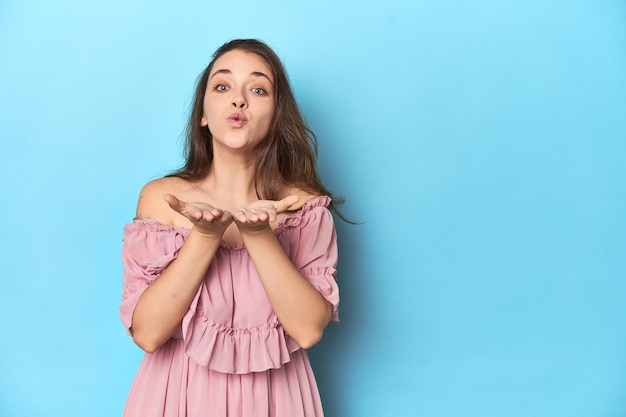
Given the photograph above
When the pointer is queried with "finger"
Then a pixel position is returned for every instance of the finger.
(211, 214)
(254, 215)
(268, 215)
(174, 203)
(285, 203)
(264, 216)
(194, 213)
(225, 218)
(240, 216)
(263, 213)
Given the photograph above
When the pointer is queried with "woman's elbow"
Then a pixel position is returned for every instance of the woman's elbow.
(310, 339)
(147, 344)
(314, 334)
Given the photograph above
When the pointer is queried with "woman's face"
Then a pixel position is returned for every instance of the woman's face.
(239, 100)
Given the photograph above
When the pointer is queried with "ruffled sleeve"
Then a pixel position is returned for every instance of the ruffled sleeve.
(147, 250)
(313, 248)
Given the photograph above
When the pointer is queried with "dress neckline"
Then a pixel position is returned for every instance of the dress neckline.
(294, 216)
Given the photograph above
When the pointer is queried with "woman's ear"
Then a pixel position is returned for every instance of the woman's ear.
(203, 121)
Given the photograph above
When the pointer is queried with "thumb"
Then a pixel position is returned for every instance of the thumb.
(286, 202)
(173, 202)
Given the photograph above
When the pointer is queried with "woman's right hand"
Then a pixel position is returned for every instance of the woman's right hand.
(207, 219)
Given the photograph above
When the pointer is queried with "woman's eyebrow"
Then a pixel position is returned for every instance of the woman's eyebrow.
(260, 74)
(253, 73)
(220, 71)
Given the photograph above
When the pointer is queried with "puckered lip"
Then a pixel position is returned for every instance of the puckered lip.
(237, 119)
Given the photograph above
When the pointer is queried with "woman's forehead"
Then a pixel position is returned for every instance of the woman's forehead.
(242, 63)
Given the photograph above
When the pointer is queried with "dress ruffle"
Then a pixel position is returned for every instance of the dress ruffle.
(323, 279)
(148, 249)
(295, 219)
(235, 351)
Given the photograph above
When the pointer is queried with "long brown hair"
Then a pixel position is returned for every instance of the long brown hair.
(286, 156)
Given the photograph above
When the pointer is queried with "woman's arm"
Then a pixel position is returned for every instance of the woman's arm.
(302, 311)
(164, 303)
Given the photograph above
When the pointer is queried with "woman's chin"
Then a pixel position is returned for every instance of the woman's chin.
(236, 142)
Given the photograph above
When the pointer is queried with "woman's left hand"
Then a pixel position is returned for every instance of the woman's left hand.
(259, 214)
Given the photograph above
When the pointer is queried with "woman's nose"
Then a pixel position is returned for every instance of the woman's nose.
(239, 101)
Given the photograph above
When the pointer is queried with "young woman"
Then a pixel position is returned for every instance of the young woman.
(229, 266)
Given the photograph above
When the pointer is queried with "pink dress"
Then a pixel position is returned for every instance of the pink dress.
(230, 357)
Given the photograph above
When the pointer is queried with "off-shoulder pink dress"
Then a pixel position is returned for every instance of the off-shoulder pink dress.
(230, 357)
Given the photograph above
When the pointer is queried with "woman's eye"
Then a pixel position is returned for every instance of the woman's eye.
(260, 91)
(221, 87)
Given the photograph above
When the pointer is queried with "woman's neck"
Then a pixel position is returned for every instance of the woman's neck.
(231, 180)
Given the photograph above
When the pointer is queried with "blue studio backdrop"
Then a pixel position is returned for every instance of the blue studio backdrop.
(482, 144)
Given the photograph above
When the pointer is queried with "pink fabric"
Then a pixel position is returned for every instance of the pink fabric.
(231, 356)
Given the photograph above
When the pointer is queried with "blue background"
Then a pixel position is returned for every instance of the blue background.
(483, 144)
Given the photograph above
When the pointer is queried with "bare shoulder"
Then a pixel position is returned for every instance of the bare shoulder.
(303, 197)
(151, 203)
